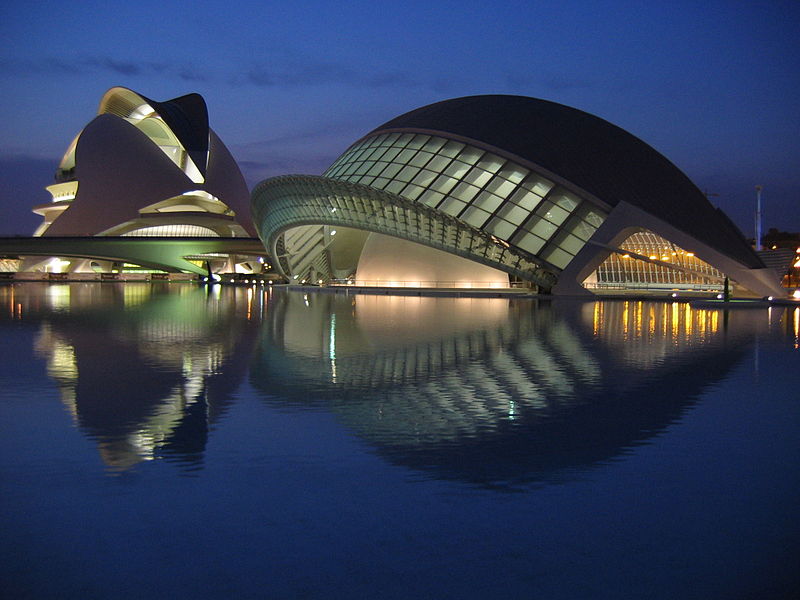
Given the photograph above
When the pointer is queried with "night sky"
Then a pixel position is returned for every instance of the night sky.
(712, 85)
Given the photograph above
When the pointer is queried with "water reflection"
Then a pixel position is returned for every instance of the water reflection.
(143, 369)
(495, 392)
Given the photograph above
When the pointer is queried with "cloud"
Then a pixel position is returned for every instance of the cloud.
(309, 73)
(283, 72)
(98, 64)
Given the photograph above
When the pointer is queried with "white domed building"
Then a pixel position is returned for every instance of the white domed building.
(146, 168)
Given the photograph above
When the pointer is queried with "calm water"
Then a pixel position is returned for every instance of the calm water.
(165, 441)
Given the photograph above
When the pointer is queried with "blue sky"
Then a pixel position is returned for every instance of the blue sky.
(712, 85)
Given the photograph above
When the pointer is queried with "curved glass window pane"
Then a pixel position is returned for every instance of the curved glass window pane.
(475, 216)
(542, 228)
(478, 177)
(405, 156)
(513, 213)
(377, 168)
(404, 139)
(424, 178)
(374, 154)
(418, 141)
(557, 257)
(538, 184)
(395, 186)
(500, 228)
(438, 163)
(444, 184)
(434, 144)
(391, 154)
(456, 170)
(412, 191)
(565, 200)
(501, 187)
(392, 170)
(581, 228)
(452, 206)
(491, 163)
(431, 198)
(551, 212)
(513, 174)
(451, 148)
(470, 155)
(407, 173)
(594, 218)
(464, 191)
(420, 159)
(530, 242)
(568, 242)
(487, 201)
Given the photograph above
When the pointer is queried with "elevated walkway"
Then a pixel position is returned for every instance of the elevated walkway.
(163, 253)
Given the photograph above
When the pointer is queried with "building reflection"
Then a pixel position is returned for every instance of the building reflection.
(496, 392)
(492, 391)
(144, 370)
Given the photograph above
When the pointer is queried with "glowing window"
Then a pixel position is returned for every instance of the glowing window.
(501, 228)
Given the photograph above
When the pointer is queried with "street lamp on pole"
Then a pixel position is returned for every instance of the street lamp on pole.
(758, 216)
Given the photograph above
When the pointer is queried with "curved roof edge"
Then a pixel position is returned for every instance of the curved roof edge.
(596, 155)
(186, 116)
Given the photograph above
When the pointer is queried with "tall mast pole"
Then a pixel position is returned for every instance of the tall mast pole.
(758, 217)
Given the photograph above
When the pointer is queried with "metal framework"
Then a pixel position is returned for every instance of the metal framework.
(283, 203)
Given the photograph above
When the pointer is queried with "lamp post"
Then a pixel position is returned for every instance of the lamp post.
(758, 217)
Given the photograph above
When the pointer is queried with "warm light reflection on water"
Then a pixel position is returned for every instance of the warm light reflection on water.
(403, 371)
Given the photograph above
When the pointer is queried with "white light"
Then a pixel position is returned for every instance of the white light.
(720, 296)
(270, 281)
(333, 232)
(770, 298)
(674, 294)
(796, 295)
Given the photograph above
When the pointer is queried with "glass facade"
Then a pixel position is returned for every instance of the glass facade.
(482, 189)
(298, 207)
(628, 271)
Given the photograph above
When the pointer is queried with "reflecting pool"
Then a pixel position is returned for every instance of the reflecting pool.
(172, 441)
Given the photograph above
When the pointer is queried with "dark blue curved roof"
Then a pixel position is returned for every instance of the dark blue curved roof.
(592, 153)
